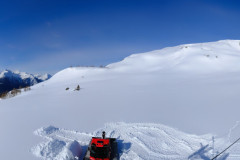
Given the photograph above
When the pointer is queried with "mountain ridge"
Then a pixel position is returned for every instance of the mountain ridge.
(15, 79)
(217, 56)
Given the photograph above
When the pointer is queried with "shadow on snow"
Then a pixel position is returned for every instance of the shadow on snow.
(203, 154)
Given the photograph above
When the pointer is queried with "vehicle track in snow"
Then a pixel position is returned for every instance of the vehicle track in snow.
(135, 141)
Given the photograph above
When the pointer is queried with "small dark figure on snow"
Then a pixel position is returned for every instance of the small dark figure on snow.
(103, 134)
(78, 88)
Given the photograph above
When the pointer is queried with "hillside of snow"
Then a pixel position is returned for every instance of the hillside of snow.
(203, 57)
(193, 87)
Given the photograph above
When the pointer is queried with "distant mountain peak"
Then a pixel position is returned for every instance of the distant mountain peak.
(43, 77)
(15, 79)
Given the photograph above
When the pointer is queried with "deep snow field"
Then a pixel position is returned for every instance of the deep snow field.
(194, 88)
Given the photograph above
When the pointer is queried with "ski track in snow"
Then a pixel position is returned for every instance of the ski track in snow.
(135, 141)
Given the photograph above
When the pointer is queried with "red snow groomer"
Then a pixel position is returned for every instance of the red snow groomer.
(101, 148)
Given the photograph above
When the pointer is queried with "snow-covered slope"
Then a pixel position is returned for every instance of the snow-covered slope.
(202, 57)
(186, 87)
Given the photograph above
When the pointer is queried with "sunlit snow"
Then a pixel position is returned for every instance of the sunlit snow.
(193, 87)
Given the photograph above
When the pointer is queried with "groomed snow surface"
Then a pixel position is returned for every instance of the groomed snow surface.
(194, 88)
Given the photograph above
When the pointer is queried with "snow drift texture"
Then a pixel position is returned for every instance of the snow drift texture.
(135, 141)
(192, 87)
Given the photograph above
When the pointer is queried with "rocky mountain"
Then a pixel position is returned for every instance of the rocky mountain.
(15, 79)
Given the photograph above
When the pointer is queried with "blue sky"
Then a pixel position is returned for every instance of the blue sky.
(40, 36)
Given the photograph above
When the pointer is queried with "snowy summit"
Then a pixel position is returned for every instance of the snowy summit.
(201, 57)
